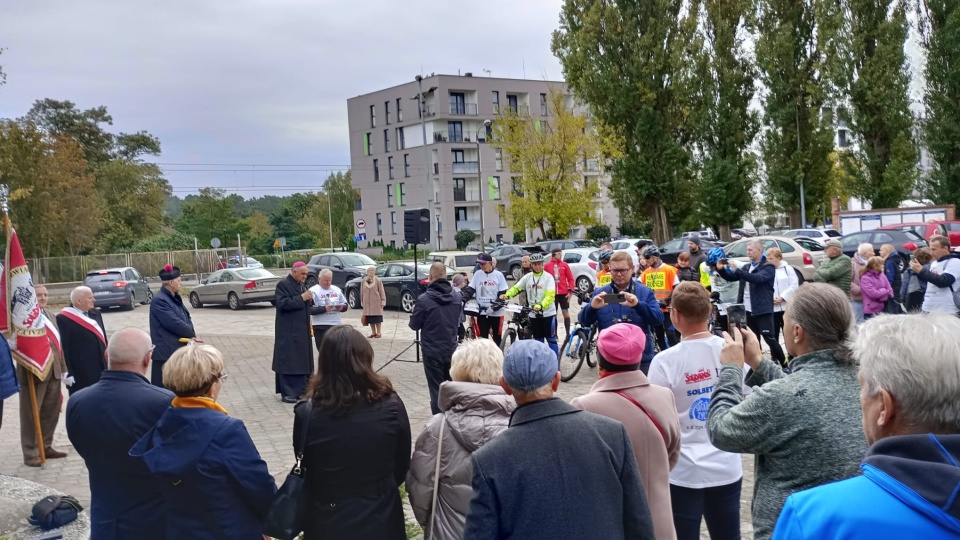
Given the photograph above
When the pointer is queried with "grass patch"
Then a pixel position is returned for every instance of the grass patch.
(409, 522)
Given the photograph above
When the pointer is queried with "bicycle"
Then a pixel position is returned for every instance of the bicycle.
(518, 327)
(713, 323)
(578, 346)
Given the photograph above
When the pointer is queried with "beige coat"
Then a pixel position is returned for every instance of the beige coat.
(372, 296)
(655, 459)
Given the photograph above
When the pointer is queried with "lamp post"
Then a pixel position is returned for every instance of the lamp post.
(483, 241)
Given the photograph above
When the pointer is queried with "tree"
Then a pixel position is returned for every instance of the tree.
(343, 200)
(599, 232)
(287, 220)
(464, 237)
(134, 195)
(877, 81)
(62, 118)
(940, 25)
(797, 57)
(210, 216)
(3, 76)
(626, 59)
(260, 232)
(546, 155)
(80, 221)
(724, 124)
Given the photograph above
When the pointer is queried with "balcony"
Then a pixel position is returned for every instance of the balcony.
(459, 137)
(463, 109)
(470, 224)
(591, 165)
(522, 110)
(466, 195)
(466, 167)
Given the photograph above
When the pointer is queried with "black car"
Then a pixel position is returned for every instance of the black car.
(398, 283)
(345, 266)
(672, 249)
(878, 238)
(549, 245)
(121, 287)
(509, 258)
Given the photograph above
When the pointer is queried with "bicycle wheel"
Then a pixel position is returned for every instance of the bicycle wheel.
(590, 347)
(507, 340)
(571, 360)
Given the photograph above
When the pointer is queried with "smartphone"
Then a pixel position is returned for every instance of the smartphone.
(614, 298)
(736, 316)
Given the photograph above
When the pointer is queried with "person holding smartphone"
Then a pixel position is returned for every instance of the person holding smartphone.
(328, 303)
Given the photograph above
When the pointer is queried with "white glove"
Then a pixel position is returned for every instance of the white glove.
(68, 380)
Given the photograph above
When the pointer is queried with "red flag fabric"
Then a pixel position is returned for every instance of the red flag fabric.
(23, 318)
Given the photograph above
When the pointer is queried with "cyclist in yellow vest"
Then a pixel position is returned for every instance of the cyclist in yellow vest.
(661, 279)
(604, 277)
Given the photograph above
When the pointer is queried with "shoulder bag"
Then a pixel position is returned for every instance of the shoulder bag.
(625, 396)
(436, 478)
(285, 518)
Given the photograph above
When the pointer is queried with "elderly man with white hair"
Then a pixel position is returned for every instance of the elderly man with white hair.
(328, 303)
(910, 380)
(83, 338)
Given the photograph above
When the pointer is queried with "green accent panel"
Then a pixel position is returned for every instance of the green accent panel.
(493, 190)
(536, 126)
(366, 144)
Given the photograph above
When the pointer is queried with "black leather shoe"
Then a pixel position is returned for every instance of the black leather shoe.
(288, 399)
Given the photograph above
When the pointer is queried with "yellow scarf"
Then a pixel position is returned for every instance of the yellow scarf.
(197, 402)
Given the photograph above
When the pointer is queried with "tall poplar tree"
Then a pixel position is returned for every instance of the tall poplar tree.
(941, 28)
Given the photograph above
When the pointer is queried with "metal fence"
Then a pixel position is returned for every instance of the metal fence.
(73, 269)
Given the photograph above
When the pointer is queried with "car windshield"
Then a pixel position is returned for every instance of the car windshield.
(586, 243)
(255, 273)
(355, 259)
(832, 233)
(102, 277)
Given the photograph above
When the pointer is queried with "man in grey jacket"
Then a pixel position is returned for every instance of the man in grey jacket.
(804, 428)
(557, 472)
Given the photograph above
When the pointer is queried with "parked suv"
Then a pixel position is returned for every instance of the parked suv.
(344, 265)
(121, 287)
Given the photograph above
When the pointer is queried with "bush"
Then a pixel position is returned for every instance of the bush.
(519, 237)
(464, 237)
(163, 242)
(598, 232)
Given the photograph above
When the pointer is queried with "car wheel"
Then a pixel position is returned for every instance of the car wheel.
(584, 284)
(799, 276)
(310, 281)
(516, 272)
(353, 298)
(131, 302)
(234, 301)
(149, 297)
(195, 300)
(407, 301)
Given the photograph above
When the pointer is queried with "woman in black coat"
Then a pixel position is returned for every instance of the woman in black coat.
(358, 444)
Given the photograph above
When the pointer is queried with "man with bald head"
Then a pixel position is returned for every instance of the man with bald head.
(83, 338)
(103, 423)
(437, 315)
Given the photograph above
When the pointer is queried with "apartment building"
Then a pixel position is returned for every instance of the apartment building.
(439, 157)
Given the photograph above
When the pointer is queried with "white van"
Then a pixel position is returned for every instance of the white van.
(462, 261)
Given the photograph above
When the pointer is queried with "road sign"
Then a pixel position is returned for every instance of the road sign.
(214, 243)
(360, 237)
(361, 224)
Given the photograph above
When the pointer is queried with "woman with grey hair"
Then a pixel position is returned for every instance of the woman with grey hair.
(475, 410)
(805, 427)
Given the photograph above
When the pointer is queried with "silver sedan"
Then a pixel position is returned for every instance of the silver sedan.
(235, 287)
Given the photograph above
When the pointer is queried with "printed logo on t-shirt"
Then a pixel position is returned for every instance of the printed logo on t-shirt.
(699, 376)
(699, 409)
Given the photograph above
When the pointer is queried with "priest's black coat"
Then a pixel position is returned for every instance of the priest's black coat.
(292, 346)
(83, 351)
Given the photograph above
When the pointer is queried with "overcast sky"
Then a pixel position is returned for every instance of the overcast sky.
(255, 82)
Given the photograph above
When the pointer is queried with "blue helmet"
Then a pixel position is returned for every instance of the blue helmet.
(605, 255)
(714, 255)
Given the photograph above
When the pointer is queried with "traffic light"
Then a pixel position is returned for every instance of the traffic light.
(416, 226)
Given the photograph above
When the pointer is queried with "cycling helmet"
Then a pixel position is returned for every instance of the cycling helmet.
(714, 255)
(651, 251)
(605, 255)
(536, 258)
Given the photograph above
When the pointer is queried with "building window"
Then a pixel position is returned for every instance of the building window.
(459, 189)
(461, 213)
(458, 156)
(399, 110)
(493, 188)
(502, 214)
(379, 225)
(498, 158)
(367, 144)
(512, 103)
(458, 103)
(393, 244)
(455, 131)
(376, 171)
(406, 165)
(543, 107)
(386, 111)
(390, 167)
(400, 195)
(386, 140)
(401, 141)
(393, 223)
(496, 102)
(358, 205)
(373, 116)
(389, 195)
(516, 186)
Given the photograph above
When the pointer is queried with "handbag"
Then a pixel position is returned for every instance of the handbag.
(363, 320)
(285, 518)
(650, 416)
(436, 478)
(54, 511)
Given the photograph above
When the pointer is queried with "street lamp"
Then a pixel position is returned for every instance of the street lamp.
(483, 241)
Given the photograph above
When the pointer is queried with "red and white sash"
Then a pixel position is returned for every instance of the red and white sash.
(53, 334)
(78, 317)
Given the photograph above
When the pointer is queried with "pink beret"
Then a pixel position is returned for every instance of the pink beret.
(622, 344)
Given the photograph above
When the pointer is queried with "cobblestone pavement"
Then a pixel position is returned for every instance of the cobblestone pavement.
(246, 339)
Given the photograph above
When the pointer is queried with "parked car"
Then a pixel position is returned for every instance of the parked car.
(549, 245)
(463, 261)
(629, 245)
(510, 257)
(672, 249)
(345, 266)
(244, 261)
(878, 238)
(950, 229)
(706, 233)
(738, 233)
(398, 282)
(235, 287)
(583, 264)
(121, 287)
(804, 254)
(820, 236)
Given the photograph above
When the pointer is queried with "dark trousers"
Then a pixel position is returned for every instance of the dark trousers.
(777, 325)
(490, 325)
(437, 370)
(292, 386)
(49, 398)
(673, 337)
(762, 326)
(719, 506)
(318, 333)
(156, 373)
(914, 301)
(542, 327)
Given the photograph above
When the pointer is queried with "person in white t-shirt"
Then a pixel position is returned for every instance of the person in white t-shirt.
(706, 481)
(486, 285)
(328, 303)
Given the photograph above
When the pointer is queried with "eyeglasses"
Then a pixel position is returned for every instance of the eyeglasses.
(620, 270)
(222, 376)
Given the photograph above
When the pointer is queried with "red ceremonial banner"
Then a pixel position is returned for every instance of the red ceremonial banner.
(21, 315)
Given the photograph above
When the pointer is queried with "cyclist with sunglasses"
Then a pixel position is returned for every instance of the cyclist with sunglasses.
(541, 289)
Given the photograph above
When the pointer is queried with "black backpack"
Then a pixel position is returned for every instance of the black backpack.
(54, 511)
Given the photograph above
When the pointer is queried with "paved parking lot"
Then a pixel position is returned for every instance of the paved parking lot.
(246, 339)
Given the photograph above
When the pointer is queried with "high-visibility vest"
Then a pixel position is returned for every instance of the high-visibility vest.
(705, 275)
(661, 281)
(604, 277)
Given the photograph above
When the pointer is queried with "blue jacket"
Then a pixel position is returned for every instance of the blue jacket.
(761, 285)
(103, 422)
(908, 490)
(169, 321)
(8, 377)
(528, 481)
(646, 314)
(213, 480)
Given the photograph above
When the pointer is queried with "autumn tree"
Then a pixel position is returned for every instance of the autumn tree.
(626, 58)
(550, 191)
(940, 28)
(81, 215)
(343, 199)
(134, 195)
(211, 216)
